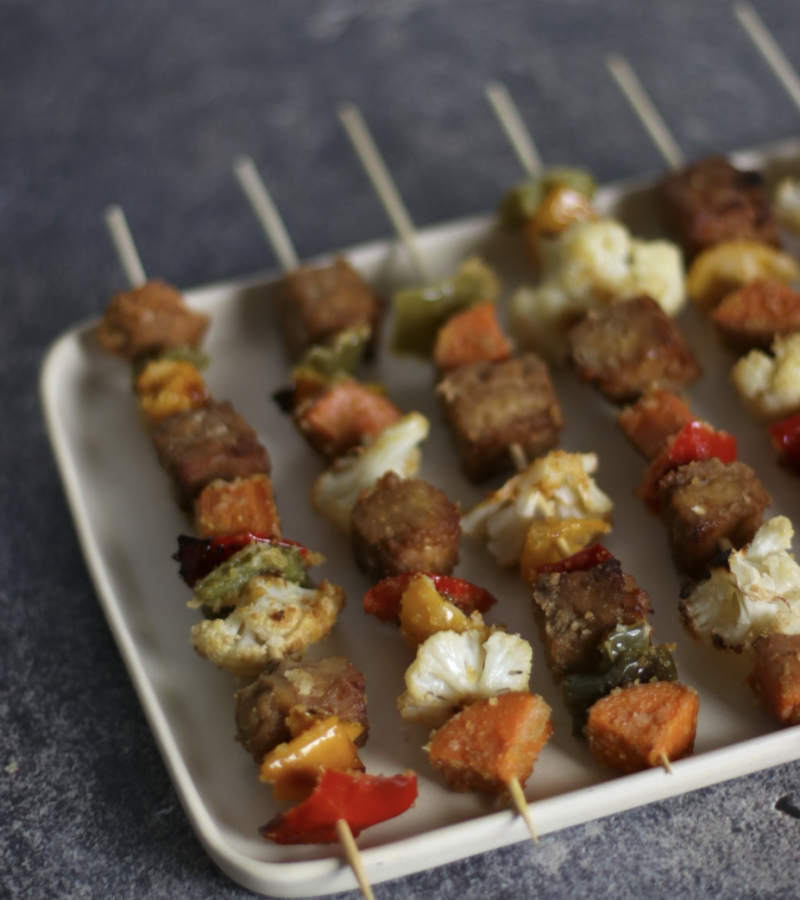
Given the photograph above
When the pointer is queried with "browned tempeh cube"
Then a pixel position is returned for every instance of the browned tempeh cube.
(234, 507)
(653, 420)
(629, 348)
(198, 446)
(319, 302)
(752, 316)
(776, 675)
(491, 406)
(148, 320)
(643, 725)
(711, 201)
(486, 745)
(704, 503)
(576, 610)
(329, 687)
(405, 525)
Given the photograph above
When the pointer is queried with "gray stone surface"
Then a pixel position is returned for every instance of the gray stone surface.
(146, 104)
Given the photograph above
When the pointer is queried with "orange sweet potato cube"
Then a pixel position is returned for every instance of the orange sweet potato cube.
(487, 744)
(643, 725)
(776, 675)
(343, 415)
(470, 336)
(233, 507)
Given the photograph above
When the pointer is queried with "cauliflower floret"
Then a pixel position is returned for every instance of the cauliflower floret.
(273, 618)
(453, 670)
(657, 270)
(755, 592)
(394, 450)
(591, 264)
(770, 385)
(558, 485)
(787, 203)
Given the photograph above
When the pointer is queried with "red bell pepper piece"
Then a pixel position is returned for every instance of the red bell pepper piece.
(587, 558)
(383, 600)
(696, 441)
(200, 556)
(786, 438)
(361, 799)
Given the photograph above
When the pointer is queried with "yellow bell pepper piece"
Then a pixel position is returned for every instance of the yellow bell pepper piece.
(424, 611)
(169, 386)
(294, 768)
(561, 207)
(551, 540)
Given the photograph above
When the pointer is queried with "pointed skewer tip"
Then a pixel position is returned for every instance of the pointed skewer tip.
(354, 857)
(518, 797)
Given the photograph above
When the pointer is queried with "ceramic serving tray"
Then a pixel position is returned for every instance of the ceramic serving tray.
(128, 525)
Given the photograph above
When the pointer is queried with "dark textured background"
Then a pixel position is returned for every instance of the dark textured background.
(146, 104)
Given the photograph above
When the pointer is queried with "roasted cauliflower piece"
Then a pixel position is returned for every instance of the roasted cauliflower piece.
(593, 263)
(395, 449)
(754, 591)
(273, 619)
(558, 486)
(786, 205)
(453, 670)
(770, 385)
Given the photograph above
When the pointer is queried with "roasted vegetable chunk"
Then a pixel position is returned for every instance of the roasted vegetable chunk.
(405, 525)
(643, 725)
(233, 507)
(326, 687)
(653, 420)
(776, 676)
(200, 445)
(344, 415)
(706, 504)
(320, 302)
(753, 316)
(471, 336)
(576, 610)
(630, 348)
(148, 320)
(711, 201)
(490, 407)
(488, 744)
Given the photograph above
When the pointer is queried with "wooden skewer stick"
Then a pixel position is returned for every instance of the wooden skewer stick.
(770, 50)
(667, 764)
(511, 120)
(517, 795)
(648, 115)
(382, 181)
(126, 249)
(266, 212)
(354, 857)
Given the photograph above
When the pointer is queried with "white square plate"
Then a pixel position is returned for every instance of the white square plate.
(128, 527)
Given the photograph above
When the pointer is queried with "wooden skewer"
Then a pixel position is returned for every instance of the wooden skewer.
(770, 50)
(266, 212)
(667, 764)
(354, 857)
(514, 127)
(382, 181)
(649, 116)
(517, 795)
(126, 249)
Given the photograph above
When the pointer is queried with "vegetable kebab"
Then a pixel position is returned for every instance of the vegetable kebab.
(301, 722)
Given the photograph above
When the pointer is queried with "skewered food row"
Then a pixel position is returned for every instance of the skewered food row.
(262, 610)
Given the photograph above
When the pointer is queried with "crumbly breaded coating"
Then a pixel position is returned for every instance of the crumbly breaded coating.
(492, 406)
(325, 687)
(653, 420)
(629, 348)
(405, 525)
(776, 676)
(706, 502)
(233, 507)
(752, 317)
(576, 610)
(148, 320)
